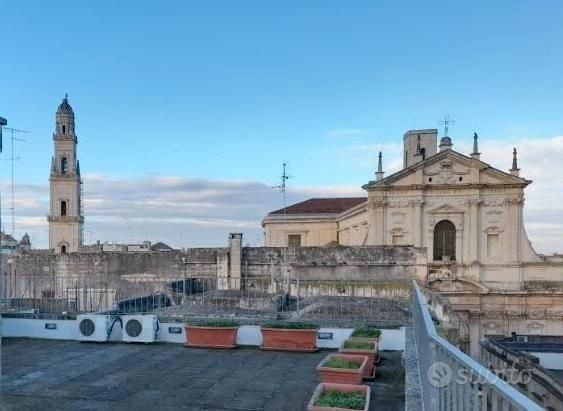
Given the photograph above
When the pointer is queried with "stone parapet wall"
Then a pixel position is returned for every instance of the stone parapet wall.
(316, 263)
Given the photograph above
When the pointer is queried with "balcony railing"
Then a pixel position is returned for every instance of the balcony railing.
(450, 379)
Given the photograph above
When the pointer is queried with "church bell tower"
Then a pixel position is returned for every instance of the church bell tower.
(65, 216)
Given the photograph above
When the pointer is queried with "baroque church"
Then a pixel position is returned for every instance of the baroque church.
(66, 217)
(466, 215)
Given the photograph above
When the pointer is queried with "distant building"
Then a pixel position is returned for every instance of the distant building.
(160, 246)
(65, 217)
(532, 363)
(8, 244)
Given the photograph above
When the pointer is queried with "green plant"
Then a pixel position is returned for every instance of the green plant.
(335, 399)
(366, 332)
(291, 325)
(341, 363)
(359, 345)
(216, 323)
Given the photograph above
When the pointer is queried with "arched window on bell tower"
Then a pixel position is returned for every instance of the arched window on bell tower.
(64, 165)
(63, 208)
(64, 129)
(63, 249)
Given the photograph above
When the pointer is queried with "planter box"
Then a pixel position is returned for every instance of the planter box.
(211, 337)
(289, 340)
(370, 340)
(322, 387)
(371, 354)
(344, 375)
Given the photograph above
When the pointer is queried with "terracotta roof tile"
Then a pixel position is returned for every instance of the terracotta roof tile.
(322, 206)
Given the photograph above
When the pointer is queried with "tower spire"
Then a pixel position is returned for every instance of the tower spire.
(379, 173)
(515, 171)
(475, 154)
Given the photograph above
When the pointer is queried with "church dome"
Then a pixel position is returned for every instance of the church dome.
(64, 107)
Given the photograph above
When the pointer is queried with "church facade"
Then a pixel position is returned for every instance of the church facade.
(467, 214)
(65, 213)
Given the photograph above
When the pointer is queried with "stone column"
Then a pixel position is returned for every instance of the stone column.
(235, 260)
(378, 206)
(417, 210)
(474, 230)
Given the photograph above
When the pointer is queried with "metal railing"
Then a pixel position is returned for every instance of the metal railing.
(379, 302)
(450, 379)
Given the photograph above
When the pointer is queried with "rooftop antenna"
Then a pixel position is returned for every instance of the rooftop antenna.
(12, 159)
(446, 123)
(284, 177)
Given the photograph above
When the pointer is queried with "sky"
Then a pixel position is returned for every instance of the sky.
(185, 110)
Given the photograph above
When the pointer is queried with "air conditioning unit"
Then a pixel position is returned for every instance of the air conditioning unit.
(140, 328)
(93, 327)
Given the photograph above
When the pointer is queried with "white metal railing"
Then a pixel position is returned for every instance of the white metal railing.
(450, 379)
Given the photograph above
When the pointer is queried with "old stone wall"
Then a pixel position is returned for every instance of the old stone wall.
(317, 263)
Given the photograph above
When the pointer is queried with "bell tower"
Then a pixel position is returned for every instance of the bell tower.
(65, 215)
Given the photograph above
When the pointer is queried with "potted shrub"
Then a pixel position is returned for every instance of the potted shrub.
(217, 333)
(343, 369)
(356, 347)
(289, 336)
(333, 397)
(368, 333)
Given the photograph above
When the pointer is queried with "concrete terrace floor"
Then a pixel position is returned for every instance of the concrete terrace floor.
(68, 375)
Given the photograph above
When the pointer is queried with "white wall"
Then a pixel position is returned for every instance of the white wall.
(250, 335)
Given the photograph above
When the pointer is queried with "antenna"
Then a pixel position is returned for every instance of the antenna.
(284, 177)
(12, 158)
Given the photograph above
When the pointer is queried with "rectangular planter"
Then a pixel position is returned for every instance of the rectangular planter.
(371, 340)
(289, 340)
(322, 387)
(343, 375)
(211, 337)
(369, 372)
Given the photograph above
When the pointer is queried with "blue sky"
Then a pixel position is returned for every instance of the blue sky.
(226, 91)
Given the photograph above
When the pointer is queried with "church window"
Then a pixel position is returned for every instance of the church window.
(64, 129)
(423, 153)
(444, 240)
(397, 239)
(429, 179)
(63, 249)
(64, 165)
(294, 240)
(63, 208)
(461, 179)
(492, 245)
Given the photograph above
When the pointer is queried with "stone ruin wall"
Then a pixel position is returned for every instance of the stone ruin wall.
(307, 263)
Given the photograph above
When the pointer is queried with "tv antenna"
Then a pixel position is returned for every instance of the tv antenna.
(282, 187)
(12, 158)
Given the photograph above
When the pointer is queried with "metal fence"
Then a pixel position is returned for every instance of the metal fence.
(380, 302)
(450, 379)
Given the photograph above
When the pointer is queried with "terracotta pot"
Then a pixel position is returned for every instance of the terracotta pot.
(211, 337)
(344, 375)
(371, 340)
(289, 340)
(371, 354)
(322, 387)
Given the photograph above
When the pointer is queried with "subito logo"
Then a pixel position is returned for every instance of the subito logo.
(439, 375)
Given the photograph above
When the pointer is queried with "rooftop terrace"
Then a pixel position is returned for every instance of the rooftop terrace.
(47, 375)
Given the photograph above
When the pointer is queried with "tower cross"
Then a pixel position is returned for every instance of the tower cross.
(446, 123)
